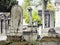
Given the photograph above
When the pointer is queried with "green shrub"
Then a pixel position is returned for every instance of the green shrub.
(35, 16)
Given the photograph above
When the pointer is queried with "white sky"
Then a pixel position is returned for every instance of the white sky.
(20, 2)
(52, 0)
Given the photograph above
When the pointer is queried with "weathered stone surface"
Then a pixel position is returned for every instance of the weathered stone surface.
(52, 32)
(30, 36)
(16, 18)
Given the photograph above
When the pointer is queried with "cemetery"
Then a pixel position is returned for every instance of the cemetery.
(12, 32)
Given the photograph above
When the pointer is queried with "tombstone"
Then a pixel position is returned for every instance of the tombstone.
(52, 32)
(16, 19)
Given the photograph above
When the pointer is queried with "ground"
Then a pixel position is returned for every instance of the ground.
(18, 43)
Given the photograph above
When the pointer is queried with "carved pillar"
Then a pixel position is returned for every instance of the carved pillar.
(6, 26)
(0, 26)
(47, 21)
(51, 19)
(3, 26)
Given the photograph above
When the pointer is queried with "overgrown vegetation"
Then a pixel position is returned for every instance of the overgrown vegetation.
(5, 5)
(35, 17)
(50, 7)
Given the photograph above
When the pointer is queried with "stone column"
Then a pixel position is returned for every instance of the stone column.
(47, 21)
(57, 13)
(6, 26)
(51, 19)
(43, 14)
(0, 26)
(30, 15)
(3, 26)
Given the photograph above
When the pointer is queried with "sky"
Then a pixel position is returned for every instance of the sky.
(20, 2)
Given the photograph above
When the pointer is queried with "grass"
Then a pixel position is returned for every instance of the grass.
(18, 43)
(14, 40)
(2, 42)
(50, 39)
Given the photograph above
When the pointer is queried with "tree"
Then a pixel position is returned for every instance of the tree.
(50, 7)
(5, 5)
(25, 4)
(39, 2)
(34, 13)
(35, 16)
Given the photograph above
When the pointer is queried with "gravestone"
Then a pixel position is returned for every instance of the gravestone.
(16, 19)
(52, 32)
(52, 38)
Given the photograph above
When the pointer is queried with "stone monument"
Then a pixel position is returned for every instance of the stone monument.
(30, 35)
(52, 32)
(16, 19)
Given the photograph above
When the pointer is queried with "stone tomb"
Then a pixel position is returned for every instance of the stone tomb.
(4, 22)
(11, 22)
(53, 38)
(49, 18)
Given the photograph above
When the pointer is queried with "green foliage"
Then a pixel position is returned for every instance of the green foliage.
(50, 7)
(5, 5)
(49, 1)
(34, 17)
(26, 16)
(26, 4)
